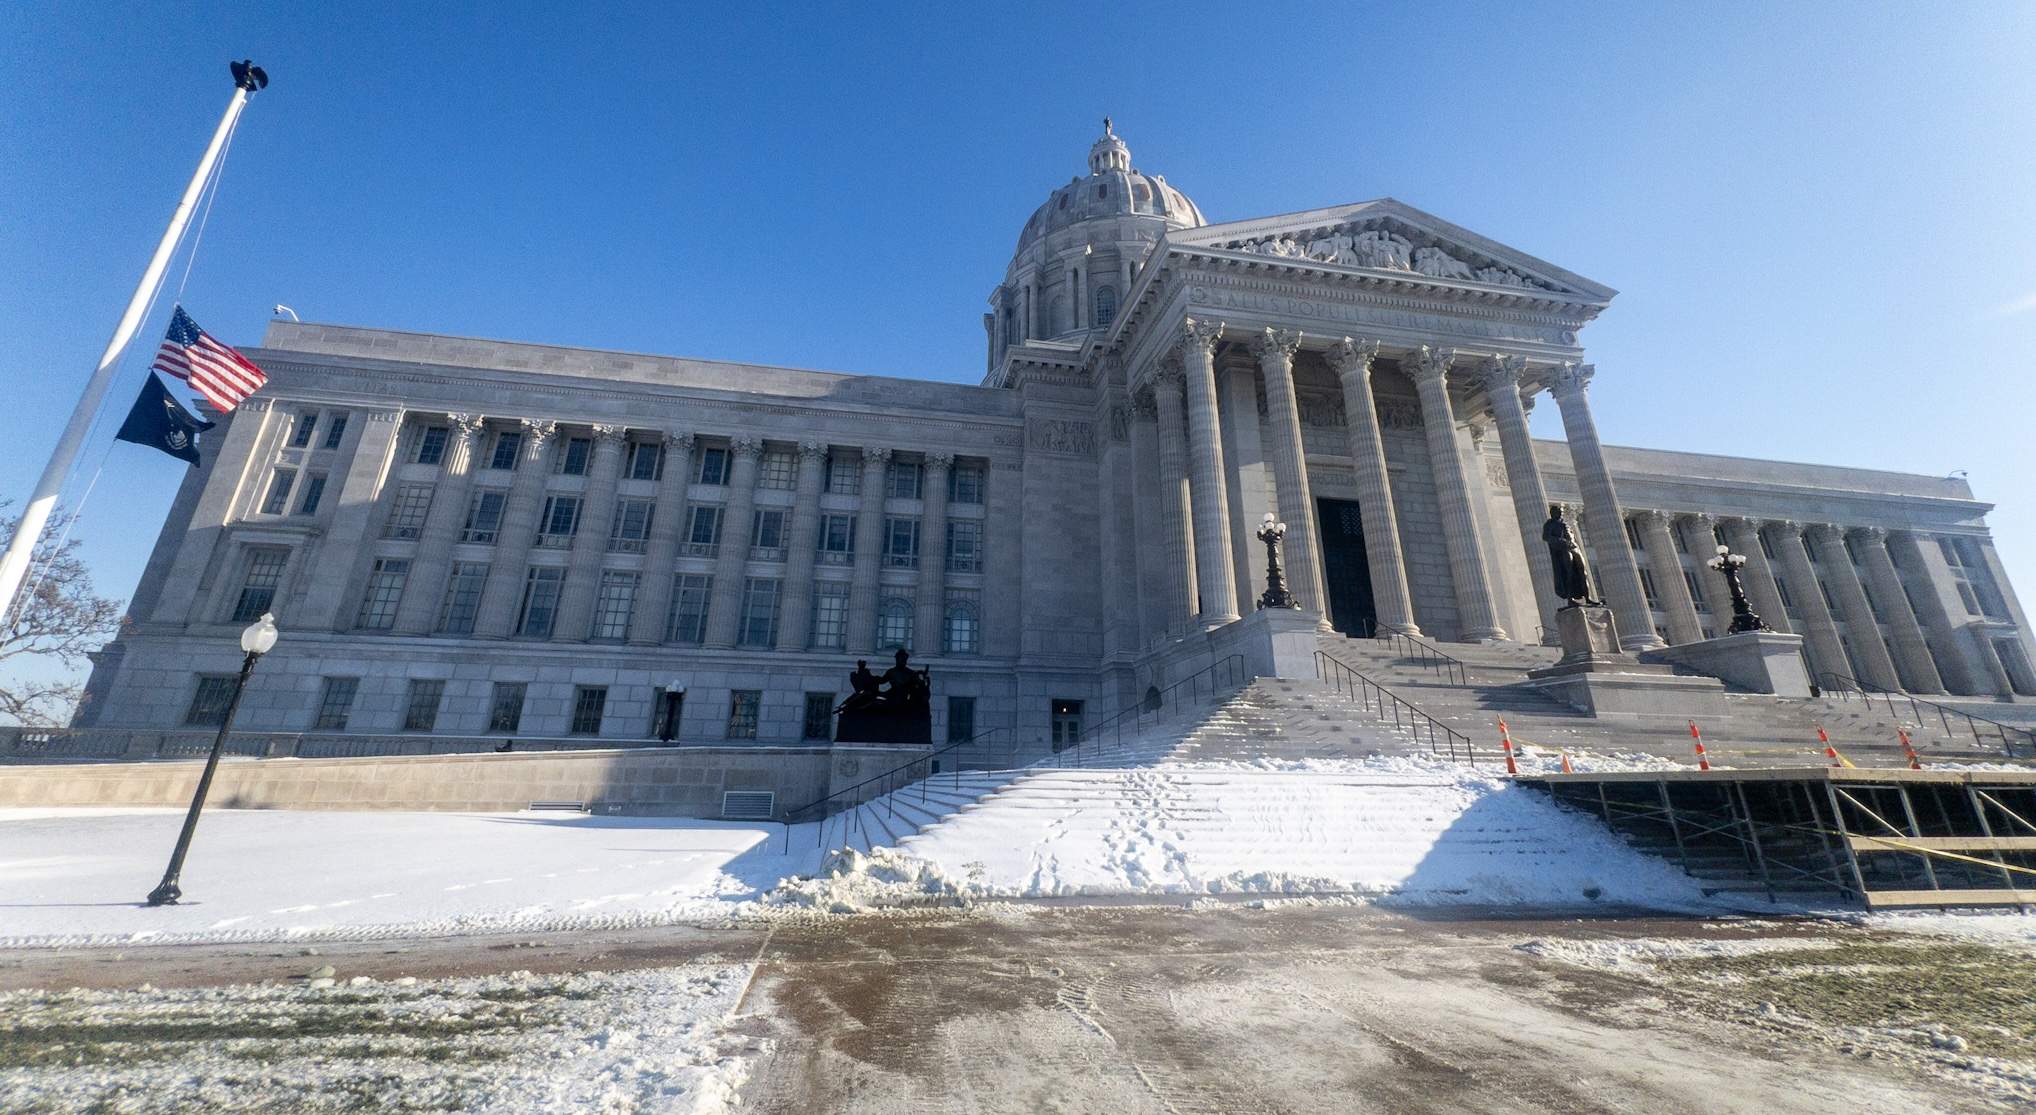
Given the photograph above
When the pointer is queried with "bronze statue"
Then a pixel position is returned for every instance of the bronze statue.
(894, 708)
(1572, 574)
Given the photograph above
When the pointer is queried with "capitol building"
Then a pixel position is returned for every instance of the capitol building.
(481, 540)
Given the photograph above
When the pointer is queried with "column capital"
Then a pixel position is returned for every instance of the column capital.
(1567, 381)
(1738, 522)
(1144, 406)
(606, 436)
(745, 445)
(1650, 517)
(540, 430)
(1169, 371)
(1825, 532)
(1352, 355)
(872, 454)
(1873, 534)
(940, 459)
(681, 442)
(1429, 363)
(1500, 373)
(465, 425)
(812, 450)
(1201, 334)
(1276, 344)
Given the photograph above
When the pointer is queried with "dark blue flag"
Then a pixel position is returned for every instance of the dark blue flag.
(161, 422)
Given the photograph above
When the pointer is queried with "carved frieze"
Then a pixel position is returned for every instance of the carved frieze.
(1320, 408)
(1398, 412)
(1069, 436)
(1382, 250)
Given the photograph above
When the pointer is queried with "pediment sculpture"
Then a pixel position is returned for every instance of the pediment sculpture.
(1381, 250)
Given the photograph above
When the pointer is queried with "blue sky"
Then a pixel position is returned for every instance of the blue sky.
(1819, 216)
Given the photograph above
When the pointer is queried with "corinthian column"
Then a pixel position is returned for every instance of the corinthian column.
(590, 542)
(1912, 654)
(1756, 574)
(442, 525)
(1501, 378)
(869, 553)
(794, 626)
(1275, 351)
(1175, 507)
(1820, 634)
(1480, 621)
(661, 549)
(1869, 651)
(1952, 667)
(1601, 507)
(1703, 539)
(504, 589)
(1214, 575)
(1683, 624)
(1351, 361)
(724, 604)
(931, 610)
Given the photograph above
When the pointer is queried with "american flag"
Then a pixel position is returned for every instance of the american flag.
(212, 369)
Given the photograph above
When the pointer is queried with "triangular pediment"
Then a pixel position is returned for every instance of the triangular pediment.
(1392, 238)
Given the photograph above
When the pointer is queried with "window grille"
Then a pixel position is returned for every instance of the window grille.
(279, 491)
(420, 707)
(385, 590)
(540, 601)
(961, 719)
(208, 704)
(904, 478)
(837, 540)
(258, 588)
(748, 805)
(686, 622)
(484, 516)
(505, 707)
(646, 460)
(431, 445)
(778, 471)
(573, 460)
(615, 604)
(894, 625)
(1106, 305)
(767, 535)
(314, 493)
(713, 467)
(407, 513)
(964, 546)
(830, 615)
(843, 476)
(901, 543)
(462, 597)
(335, 704)
(561, 520)
(744, 705)
(336, 430)
(589, 701)
(631, 528)
(965, 484)
(962, 629)
(760, 598)
(703, 530)
(508, 445)
(300, 435)
(819, 720)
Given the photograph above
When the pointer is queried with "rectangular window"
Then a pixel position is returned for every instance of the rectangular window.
(767, 535)
(420, 707)
(1781, 589)
(837, 539)
(646, 460)
(819, 723)
(779, 471)
(631, 528)
(508, 445)
(961, 626)
(300, 435)
(589, 701)
(462, 597)
(1682, 543)
(484, 516)
(830, 615)
(686, 622)
(1696, 588)
(505, 708)
(965, 484)
(1067, 723)
(336, 430)
(901, 543)
(614, 606)
(703, 530)
(208, 704)
(560, 521)
(335, 703)
(743, 707)
(431, 445)
(279, 491)
(759, 627)
(713, 467)
(258, 589)
(1647, 587)
(385, 589)
(1825, 590)
(407, 513)
(572, 461)
(540, 601)
(902, 481)
(314, 493)
(894, 624)
(964, 546)
(1851, 553)
(961, 719)
(843, 476)
(1971, 600)
(1766, 546)
(1950, 552)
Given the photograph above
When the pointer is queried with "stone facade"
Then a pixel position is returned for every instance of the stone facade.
(463, 537)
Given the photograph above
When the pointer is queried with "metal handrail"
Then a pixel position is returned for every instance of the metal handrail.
(1430, 655)
(1226, 674)
(919, 769)
(1406, 716)
(1868, 691)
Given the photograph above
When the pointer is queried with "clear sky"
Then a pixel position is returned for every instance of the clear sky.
(1819, 215)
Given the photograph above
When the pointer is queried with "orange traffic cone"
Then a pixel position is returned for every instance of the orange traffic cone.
(1909, 750)
(1697, 738)
(1565, 764)
(1506, 745)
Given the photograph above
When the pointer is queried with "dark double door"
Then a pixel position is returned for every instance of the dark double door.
(1346, 569)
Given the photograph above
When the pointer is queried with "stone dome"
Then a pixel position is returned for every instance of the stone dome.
(1112, 189)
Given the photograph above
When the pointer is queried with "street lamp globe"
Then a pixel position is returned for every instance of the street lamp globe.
(260, 636)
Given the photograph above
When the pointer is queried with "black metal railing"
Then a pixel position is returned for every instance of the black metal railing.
(2009, 736)
(1423, 653)
(1104, 744)
(993, 749)
(1440, 738)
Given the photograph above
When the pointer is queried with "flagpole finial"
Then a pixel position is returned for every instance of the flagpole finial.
(249, 76)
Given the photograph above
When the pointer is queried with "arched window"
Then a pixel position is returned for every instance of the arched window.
(963, 629)
(894, 625)
(1106, 304)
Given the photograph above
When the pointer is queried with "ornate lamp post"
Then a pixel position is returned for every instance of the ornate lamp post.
(675, 699)
(1276, 594)
(1743, 619)
(257, 640)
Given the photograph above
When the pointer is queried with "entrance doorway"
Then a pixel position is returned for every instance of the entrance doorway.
(1346, 569)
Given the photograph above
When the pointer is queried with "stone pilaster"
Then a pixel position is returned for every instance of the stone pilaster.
(661, 549)
(1819, 631)
(1275, 351)
(1996, 671)
(332, 601)
(419, 607)
(233, 471)
(1911, 653)
(1757, 575)
(496, 617)
(869, 553)
(1215, 576)
(795, 625)
(1391, 599)
(724, 605)
(1601, 507)
(931, 608)
(1430, 370)
(1944, 636)
(1177, 544)
(590, 543)
(1667, 567)
(1501, 378)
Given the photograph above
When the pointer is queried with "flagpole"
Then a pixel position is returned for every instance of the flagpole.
(14, 564)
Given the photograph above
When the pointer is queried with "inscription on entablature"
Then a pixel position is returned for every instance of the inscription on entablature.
(1319, 310)
(1062, 435)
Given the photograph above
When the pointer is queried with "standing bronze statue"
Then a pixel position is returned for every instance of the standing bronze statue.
(1572, 573)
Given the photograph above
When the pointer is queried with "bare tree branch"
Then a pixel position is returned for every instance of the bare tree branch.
(60, 617)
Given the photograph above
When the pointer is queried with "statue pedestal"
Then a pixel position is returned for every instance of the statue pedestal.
(1594, 677)
(1587, 633)
(1756, 661)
